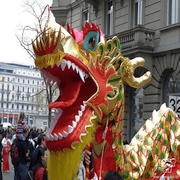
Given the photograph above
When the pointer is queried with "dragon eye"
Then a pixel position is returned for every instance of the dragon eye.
(91, 40)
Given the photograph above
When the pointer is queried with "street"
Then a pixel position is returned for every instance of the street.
(9, 175)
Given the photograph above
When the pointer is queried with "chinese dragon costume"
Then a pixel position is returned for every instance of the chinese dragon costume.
(90, 73)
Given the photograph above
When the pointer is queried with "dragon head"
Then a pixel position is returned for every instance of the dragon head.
(89, 72)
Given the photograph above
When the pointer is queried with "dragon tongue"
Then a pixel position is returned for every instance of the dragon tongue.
(70, 94)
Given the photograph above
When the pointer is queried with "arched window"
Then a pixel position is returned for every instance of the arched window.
(171, 91)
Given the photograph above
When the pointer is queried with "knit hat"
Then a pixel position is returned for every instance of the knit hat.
(26, 128)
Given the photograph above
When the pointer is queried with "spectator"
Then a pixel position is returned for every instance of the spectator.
(34, 133)
(6, 143)
(23, 151)
(1, 156)
(2, 130)
(40, 144)
(31, 148)
(111, 175)
(20, 127)
(125, 142)
(11, 133)
(39, 170)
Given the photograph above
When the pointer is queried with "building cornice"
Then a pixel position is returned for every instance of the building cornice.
(74, 4)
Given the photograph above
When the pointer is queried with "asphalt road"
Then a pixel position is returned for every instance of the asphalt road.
(9, 175)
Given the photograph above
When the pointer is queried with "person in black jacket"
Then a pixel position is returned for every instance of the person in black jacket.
(23, 152)
(40, 144)
(112, 175)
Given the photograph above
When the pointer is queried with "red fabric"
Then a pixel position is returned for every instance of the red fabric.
(109, 162)
(91, 175)
(39, 174)
(6, 165)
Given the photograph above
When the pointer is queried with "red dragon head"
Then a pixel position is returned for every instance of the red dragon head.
(88, 71)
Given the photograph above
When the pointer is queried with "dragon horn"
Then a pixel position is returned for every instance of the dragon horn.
(128, 67)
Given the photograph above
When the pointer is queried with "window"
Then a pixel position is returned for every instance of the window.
(138, 12)
(109, 17)
(171, 85)
(172, 11)
(12, 97)
(3, 79)
(85, 16)
(45, 123)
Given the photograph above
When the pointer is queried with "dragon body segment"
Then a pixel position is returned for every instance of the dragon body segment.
(90, 73)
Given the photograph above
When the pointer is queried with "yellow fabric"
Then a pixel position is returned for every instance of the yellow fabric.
(68, 161)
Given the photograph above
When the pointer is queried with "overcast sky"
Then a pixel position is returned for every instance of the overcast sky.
(11, 16)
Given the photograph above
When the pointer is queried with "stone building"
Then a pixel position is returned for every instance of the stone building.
(19, 86)
(146, 28)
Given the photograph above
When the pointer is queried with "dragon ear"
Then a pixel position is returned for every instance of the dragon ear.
(70, 31)
(78, 36)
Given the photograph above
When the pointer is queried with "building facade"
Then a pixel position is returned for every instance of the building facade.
(146, 28)
(20, 88)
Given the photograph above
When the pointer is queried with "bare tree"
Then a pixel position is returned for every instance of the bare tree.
(40, 14)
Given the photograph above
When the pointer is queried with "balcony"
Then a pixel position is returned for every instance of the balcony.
(60, 10)
(138, 39)
(169, 39)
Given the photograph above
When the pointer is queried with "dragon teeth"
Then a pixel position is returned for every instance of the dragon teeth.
(77, 118)
(74, 124)
(70, 129)
(80, 113)
(65, 134)
(51, 137)
(73, 66)
(82, 74)
(55, 136)
(63, 65)
(69, 64)
(60, 136)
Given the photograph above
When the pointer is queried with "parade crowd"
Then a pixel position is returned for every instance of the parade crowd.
(32, 155)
